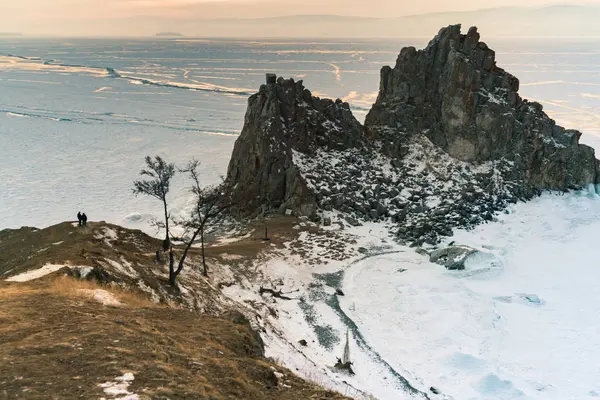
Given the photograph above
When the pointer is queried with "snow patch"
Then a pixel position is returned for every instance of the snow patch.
(102, 296)
(231, 257)
(84, 271)
(36, 273)
(124, 268)
(119, 387)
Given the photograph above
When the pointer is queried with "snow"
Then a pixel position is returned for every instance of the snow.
(492, 98)
(144, 287)
(36, 273)
(482, 333)
(102, 296)
(124, 268)
(221, 241)
(485, 333)
(85, 271)
(326, 331)
(119, 387)
(231, 257)
(110, 234)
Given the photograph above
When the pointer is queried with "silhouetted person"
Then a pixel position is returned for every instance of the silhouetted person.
(84, 219)
(79, 217)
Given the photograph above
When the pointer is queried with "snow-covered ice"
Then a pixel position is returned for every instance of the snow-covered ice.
(523, 329)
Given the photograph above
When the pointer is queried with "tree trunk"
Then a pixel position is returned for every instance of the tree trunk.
(185, 252)
(167, 239)
(203, 256)
(172, 275)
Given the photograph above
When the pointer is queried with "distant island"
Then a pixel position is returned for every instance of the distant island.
(9, 34)
(169, 34)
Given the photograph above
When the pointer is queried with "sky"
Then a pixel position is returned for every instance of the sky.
(35, 16)
(32, 10)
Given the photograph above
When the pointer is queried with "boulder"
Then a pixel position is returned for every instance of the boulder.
(452, 257)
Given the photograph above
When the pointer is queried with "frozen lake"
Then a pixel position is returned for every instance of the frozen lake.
(78, 116)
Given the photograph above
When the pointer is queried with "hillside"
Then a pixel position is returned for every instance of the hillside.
(59, 342)
(113, 328)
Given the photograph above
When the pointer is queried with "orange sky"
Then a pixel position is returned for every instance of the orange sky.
(76, 9)
(41, 16)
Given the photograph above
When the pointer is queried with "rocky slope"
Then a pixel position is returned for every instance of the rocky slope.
(448, 143)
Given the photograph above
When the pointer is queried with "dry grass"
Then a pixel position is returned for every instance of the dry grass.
(67, 286)
(58, 345)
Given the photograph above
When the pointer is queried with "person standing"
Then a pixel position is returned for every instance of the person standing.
(79, 217)
(84, 219)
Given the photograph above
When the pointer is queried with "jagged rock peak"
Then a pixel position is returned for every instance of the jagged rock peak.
(454, 93)
(282, 118)
(448, 143)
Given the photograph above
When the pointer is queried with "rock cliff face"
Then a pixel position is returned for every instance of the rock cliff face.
(283, 118)
(448, 143)
(454, 94)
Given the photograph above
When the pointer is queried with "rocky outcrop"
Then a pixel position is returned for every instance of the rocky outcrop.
(454, 93)
(448, 143)
(282, 119)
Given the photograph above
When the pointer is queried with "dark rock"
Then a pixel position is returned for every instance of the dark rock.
(339, 292)
(374, 214)
(283, 118)
(271, 79)
(352, 221)
(422, 252)
(471, 109)
(303, 343)
(452, 257)
(435, 390)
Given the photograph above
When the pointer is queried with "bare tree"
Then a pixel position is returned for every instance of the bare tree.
(209, 204)
(160, 173)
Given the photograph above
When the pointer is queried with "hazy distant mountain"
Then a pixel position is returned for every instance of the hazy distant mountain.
(168, 34)
(553, 21)
(10, 34)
